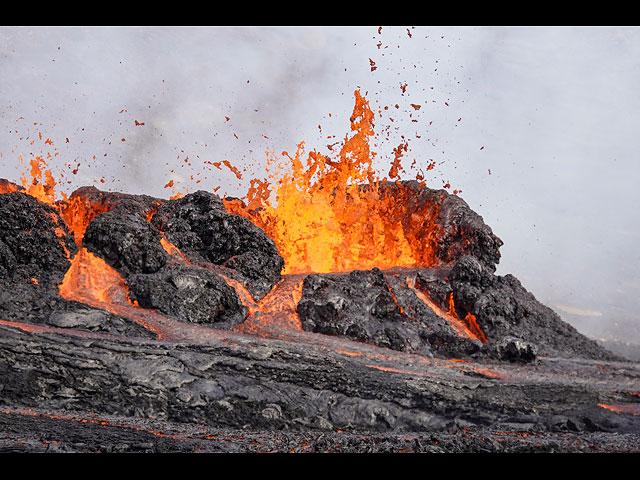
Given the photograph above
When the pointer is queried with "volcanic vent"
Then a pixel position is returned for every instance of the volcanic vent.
(232, 312)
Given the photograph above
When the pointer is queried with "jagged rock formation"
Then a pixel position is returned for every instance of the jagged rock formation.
(199, 225)
(190, 294)
(35, 245)
(378, 308)
(127, 242)
(447, 354)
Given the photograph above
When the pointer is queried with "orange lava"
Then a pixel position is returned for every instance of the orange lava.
(630, 408)
(8, 188)
(469, 322)
(466, 329)
(276, 310)
(41, 184)
(171, 249)
(90, 280)
(77, 212)
(322, 218)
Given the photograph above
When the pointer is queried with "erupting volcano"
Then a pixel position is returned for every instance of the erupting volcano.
(329, 299)
(332, 215)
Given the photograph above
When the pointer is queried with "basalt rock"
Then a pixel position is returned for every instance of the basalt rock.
(512, 349)
(35, 251)
(127, 242)
(504, 308)
(358, 305)
(199, 225)
(378, 308)
(190, 294)
(35, 244)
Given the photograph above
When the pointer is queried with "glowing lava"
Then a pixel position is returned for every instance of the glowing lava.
(467, 328)
(277, 309)
(332, 215)
(90, 280)
(324, 214)
(41, 184)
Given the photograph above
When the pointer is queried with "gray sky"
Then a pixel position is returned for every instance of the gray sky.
(537, 126)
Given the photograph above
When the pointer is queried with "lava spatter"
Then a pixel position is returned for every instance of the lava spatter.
(332, 215)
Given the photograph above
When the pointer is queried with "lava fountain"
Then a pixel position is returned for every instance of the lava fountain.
(333, 215)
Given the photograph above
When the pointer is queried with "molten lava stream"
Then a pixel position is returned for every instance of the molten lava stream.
(91, 281)
(461, 327)
(276, 311)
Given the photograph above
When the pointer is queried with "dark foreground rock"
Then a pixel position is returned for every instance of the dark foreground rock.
(89, 393)
(190, 294)
(35, 244)
(378, 308)
(127, 242)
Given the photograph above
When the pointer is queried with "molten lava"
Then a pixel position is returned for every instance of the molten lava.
(90, 280)
(467, 328)
(324, 214)
(41, 185)
(332, 215)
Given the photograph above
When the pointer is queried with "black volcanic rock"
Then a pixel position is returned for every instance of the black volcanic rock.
(35, 252)
(127, 242)
(377, 308)
(35, 244)
(199, 225)
(98, 394)
(357, 305)
(95, 201)
(512, 349)
(504, 308)
(190, 294)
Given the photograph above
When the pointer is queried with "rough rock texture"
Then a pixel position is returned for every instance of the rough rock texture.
(377, 308)
(190, 294)
(127, 242)
(35, 251)
(199, 225)
(35, 245)
(375, 367)
(273, 388)
(504, 308)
